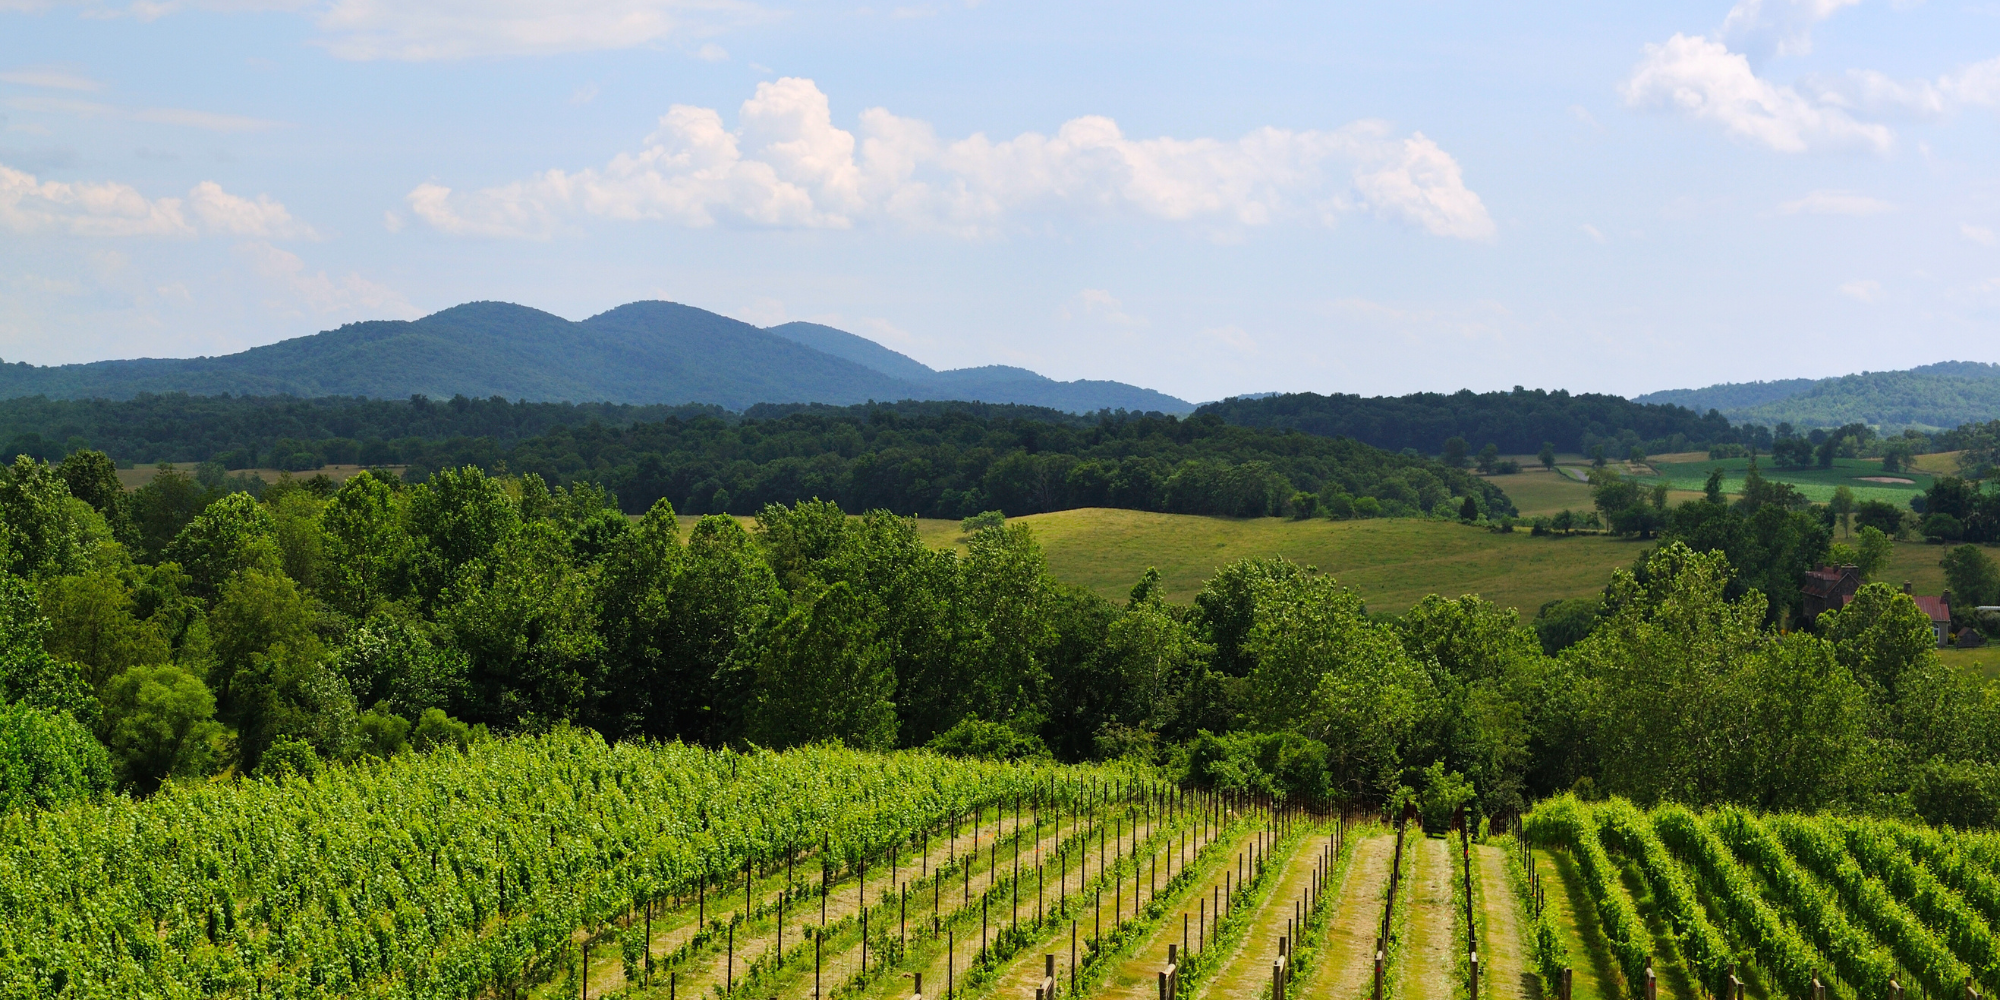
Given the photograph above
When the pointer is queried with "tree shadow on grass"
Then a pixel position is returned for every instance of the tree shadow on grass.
(1583, 913)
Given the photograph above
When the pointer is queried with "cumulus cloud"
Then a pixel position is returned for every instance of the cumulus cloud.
(1835, 203)
(786, 164)
(1700, 78)
(318, 293)
(1777, 27)
(28, 205)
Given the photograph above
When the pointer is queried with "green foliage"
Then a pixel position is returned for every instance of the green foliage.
(1972, 576)
(40, 529)
(436, 730)
(1702, 946)
(288, 758)
(982, 740)
(1443, 794)
(1278, 764)
(1778, 948)
(583, 829)
(1812, 906)
(820, 673)
(982, 520)
(47, 759)
(1570, 823)
(1325, 670)
(160, 724)
(231, 536)
(1958, 793)
(1818, 845)
(1562, 624)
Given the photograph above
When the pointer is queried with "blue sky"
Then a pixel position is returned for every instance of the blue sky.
(1206, 199)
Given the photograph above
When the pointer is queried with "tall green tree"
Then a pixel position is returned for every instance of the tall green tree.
(457, 517)
(821, 673)
(160, 724)
(1973, 578)
(232, 536)
(524, 615)
(368, 550)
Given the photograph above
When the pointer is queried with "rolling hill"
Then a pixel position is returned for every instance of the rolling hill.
(642, 353)
(1942, 395)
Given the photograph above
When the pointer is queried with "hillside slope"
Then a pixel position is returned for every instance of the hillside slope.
(1945, 394)
(641, 353)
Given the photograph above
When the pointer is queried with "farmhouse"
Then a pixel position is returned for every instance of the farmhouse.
(1829, 587)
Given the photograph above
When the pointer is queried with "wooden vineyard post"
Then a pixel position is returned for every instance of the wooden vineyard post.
(917, 988)
(950, 961)
(1072, 957)
(1279, 970)
(1047, 989)
(1818, 988)
(1378, 970)
(816, 946)
(729, 976)
(1170, 977)
(1735, 985)
(1652, 988)
(1895, 990)
(646, 977)
(583, 974)
(1563, 985)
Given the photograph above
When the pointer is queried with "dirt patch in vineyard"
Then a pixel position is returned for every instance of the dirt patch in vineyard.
(1432, 951)
(1247, 972)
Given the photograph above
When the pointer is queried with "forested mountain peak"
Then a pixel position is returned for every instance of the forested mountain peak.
(643, 353)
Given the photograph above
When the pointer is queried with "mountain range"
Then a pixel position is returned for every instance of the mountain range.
(1941, 395)
(641, 352)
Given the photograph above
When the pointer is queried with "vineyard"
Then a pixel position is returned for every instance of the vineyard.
(1729, 901)
(564, 867)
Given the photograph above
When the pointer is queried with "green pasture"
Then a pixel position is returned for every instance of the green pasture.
(1816, 483)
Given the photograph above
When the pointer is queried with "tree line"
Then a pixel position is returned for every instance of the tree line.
(315, 625)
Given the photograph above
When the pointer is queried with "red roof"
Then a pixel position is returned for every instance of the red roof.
(1934, 607)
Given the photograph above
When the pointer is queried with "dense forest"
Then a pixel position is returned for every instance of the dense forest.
(317, 625)
(1520, 422)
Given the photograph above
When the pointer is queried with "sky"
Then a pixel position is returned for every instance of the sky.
(1207, 199)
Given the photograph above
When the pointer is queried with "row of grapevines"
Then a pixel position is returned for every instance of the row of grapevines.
(1944, 855)
(1855, 956)
(1703, 947)
(1941, 909)
(431, 875)
(1779, 948)
(1568, 822)
(1818, 845)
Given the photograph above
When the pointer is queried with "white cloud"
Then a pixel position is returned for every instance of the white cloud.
(1835, 203)
(317, 293)
(1592, 232)
(711, 52)
(28, 205)
(57, 79)
(457, 29)
(1977, 234)
(1702, 79)
(584, 94)
(1777, 27)
(1101, 305)
(1862, 290)
(788, 165)
(156, 116)
(1868, 91)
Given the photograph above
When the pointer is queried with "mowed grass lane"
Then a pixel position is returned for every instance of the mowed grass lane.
(1347, 969)
(1430, 955)
(1504, 973)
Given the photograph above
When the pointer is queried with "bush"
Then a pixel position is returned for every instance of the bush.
(48, 759)
(982, 521)
(975, 737)
(1562, 624)
(287, 757)
(1444, 792)
(1942, 528)
(1958, 793)
(160, 724)
(1281, 763)
(436, 729)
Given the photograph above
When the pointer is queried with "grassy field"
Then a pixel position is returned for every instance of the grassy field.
(1391, 563)
(1539, 493)
(1817, 484)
